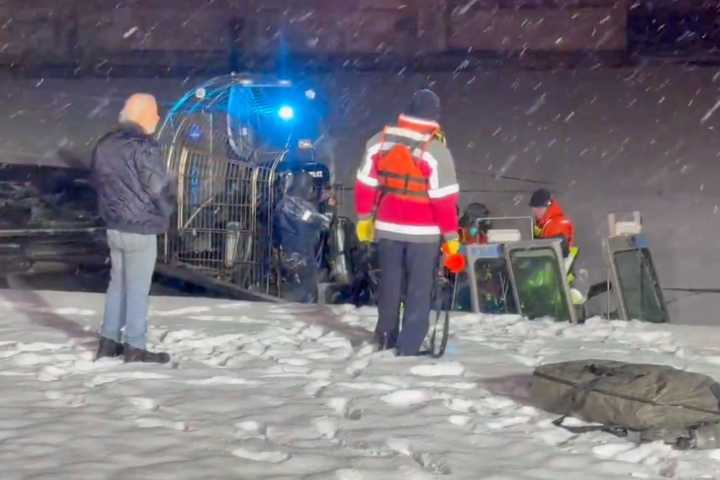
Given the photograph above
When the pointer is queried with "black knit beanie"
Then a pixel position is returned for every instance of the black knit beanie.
(425, 104)
(540, 198)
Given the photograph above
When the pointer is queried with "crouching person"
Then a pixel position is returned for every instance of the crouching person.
(298, 226)
(406, 197)
(135, 201)
(551, 222)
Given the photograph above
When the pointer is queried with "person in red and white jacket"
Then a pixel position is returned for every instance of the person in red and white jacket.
(406, 197)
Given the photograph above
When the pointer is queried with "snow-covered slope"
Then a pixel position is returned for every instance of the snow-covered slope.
(288, 391)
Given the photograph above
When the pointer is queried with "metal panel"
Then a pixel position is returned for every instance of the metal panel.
(523, 224)
(555, 248)
(474, 253)
(639, 245)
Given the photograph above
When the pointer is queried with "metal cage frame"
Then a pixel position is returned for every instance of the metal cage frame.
(222, 229)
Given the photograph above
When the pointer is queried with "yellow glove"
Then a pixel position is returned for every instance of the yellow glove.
(537, 231)
(453, 261)
(365, 230)
(451, 247)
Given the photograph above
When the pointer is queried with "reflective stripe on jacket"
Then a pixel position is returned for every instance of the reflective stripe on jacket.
(397, 216)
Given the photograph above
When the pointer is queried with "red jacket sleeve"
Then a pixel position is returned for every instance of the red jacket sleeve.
(366, 183)
(445, 209)
(560, 228)
(444, 190)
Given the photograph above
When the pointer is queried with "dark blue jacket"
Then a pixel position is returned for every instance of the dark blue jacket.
(297, 227)
(133, 187)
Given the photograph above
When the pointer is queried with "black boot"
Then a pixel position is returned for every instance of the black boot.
(133, 354)
(108, 348)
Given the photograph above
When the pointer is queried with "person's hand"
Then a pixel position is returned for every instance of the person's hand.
(454, 261)
(451, 247)
(365, 230)
(537, 231)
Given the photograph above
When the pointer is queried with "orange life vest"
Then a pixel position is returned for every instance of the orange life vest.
(399, 174)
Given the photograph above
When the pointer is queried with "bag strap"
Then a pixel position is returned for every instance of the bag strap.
(673, 438)
(614, 430)
(578, 395)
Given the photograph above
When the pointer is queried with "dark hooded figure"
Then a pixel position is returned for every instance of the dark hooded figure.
(298, 226)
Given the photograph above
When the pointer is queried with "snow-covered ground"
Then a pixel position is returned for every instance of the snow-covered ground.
(287, 391)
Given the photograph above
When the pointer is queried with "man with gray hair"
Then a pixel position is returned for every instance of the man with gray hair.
(135, 201)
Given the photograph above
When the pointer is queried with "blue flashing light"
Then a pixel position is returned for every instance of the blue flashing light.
(286, 113)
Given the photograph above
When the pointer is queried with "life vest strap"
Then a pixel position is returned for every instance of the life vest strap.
(406, 178)
(403, 192)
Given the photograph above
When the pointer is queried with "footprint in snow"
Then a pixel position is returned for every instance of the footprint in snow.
(144, 404)
(178, 312)
(343, 408)
(648, 453)
(315, 388)
(312, 332)
(326, 426)
(460, 405)
(497, 403)
(365, 350)
(159, 423)
(357, 367)
(222, 380)
(51, 374)
(350, 474)
(444, 369)
(115, 377)
(255, 349)
(556, 437)
(365, 449)
(451, 386)
(611, 450)
(39, 347)
(295, 362)
(399, 445)
(250, 429)
(507, 422)
(29, 359)
(528, 361)
(407, 398)
(66, 399)
(431, 463)
(460, 420)
(264, 456)
(69, 311)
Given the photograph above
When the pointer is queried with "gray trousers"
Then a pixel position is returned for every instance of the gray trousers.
(126, 303)
(405, 268)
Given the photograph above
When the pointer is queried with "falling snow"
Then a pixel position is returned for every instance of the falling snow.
(710, 112)
(466, 8)
(130, 32)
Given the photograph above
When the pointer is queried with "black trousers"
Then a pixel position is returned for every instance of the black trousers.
(299, 279)
(405, 268)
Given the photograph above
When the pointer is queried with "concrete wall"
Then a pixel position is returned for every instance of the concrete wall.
(549, 26)
(200, 32)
